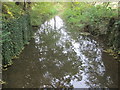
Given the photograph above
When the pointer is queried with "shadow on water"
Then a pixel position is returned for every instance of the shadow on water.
(54, 59)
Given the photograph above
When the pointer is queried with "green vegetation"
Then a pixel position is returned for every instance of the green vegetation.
(83, 14)
(42, 11)
(16, 33)
(71, 54)
(98, 19)
(17, 21)
(18, 18)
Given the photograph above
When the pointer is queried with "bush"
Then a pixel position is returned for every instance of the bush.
(16, 33)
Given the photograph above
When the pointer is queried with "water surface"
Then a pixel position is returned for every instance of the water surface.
(57, 58)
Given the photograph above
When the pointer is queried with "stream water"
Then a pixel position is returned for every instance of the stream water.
(58, 58)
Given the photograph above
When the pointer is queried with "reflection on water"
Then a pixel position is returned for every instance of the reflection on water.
(55, 59)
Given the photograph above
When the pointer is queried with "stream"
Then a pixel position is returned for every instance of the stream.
(58, 58)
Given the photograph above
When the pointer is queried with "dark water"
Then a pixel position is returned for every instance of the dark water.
(58, 58)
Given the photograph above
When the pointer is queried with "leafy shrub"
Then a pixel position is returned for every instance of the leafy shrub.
(16, 33)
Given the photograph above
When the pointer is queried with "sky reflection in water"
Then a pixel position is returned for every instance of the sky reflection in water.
(77, 63)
